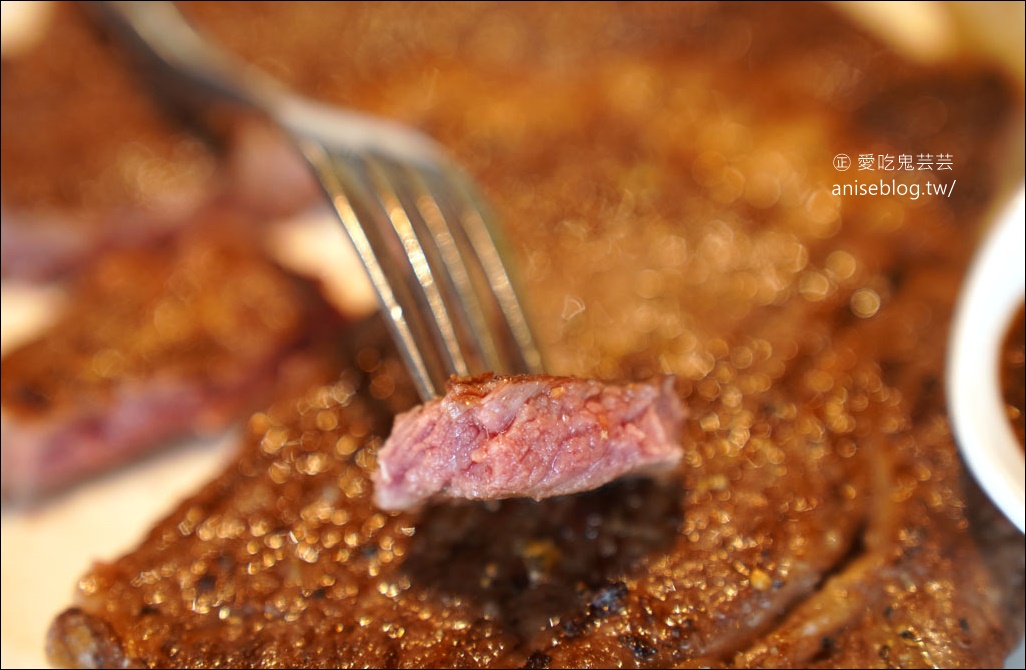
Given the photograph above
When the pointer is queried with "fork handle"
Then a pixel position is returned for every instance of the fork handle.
(192, 72)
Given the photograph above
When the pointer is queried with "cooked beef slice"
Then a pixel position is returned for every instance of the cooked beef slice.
(530, 436)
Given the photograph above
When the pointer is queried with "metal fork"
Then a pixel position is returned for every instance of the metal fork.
(420, 227)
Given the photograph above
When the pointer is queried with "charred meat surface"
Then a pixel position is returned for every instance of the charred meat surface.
(535, 437)
(664, 172)
(284, 560)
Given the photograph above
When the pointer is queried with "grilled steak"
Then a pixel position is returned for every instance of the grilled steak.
(159, 342)
(789, 553)
(529, 436)
(665, 173)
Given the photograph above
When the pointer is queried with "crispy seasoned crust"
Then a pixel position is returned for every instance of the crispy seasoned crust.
(158, 342)
(284, 561)
(665, 173)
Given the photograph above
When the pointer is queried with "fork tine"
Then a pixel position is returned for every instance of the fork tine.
(415, 220)
(393, 188)
(474, 280)
(461, 283)
(455, 287)
(402, 254)
(487, 247)
(466, 306)
(407, 307)
(439, 258)
(445, 214)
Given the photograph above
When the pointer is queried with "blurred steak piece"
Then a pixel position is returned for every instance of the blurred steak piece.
(159, 342)
(89, 160)
(92, 161)
(527, 436)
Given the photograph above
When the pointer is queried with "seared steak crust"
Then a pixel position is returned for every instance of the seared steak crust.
(285, 561)
(665, 173)
(161, 341)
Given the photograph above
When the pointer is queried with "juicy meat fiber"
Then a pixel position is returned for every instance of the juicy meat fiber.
(527, 436)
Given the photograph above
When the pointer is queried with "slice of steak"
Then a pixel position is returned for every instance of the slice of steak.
(527, 436)
(158, 342)
(89, 160)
